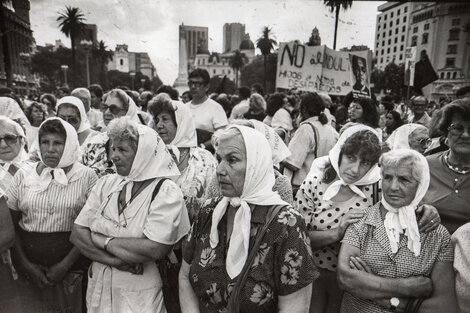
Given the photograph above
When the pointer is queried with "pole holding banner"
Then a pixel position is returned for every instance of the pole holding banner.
(410, 61)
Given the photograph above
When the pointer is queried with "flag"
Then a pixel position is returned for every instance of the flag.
(424, 73)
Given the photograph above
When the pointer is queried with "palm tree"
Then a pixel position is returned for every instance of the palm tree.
(103, 55)
(265, 44)
(335, 6)
(237, 61)
(5, 44)
(72, 24)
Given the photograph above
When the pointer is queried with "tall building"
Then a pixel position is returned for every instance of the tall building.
(233, 36)
(438, 29)
(391, 32)
(20, 46)
(126, 61)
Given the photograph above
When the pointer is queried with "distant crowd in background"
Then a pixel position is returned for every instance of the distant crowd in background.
(138, 201)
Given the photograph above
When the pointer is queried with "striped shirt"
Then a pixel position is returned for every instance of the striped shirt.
(54, 209)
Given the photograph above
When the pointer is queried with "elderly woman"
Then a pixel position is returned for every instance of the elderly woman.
(72, 110)
(410, 136)
(96, 155)
(124, 226)
(461, 243)
(313, 139)
(44, 201)
(257, 108)
(385, 262)
(449, 189)
(174, 123)
(249, 248)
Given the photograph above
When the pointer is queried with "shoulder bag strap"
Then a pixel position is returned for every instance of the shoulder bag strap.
(375, 193)
(157, 187)
(315, 134)
(233, 302)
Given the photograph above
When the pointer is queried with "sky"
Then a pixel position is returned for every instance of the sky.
(152, 25)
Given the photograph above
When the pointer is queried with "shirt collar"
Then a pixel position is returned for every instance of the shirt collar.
(374, 219)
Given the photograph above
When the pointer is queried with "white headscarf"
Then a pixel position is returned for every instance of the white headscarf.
(185, 136)
(76, 102)
(10, 108)
(403, 220)
(399, 139)
(68, 158)
(279, 149)
(132, 109)
(22, 155)
(372, 176)
(257, 189)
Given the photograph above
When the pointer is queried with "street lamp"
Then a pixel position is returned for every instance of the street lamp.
(64, 68)
(86, 44)
(132, 76)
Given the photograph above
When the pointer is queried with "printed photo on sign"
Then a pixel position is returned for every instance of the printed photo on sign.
(359, 76)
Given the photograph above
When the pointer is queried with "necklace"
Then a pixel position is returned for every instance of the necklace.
(454, 168)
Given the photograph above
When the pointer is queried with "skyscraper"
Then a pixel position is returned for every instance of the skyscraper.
(233, 36)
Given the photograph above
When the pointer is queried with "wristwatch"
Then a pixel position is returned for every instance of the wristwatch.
(394, 303)
(106, 243)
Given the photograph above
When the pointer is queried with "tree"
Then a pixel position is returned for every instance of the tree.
(394, 79)
(72, 24)
(335, 6)
(5, 43)
(103, 55)
(266, 45)
(237, 61)
(254, 72)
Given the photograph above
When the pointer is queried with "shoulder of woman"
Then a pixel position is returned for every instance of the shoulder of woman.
(205, 155)
(98, 138)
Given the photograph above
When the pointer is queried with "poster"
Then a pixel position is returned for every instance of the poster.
(359, 78)
(410, 60)
(317, 68)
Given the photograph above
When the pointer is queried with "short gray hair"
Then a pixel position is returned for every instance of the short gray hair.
(400, 158)
(123, 128)
(224, 134)
(82, 94)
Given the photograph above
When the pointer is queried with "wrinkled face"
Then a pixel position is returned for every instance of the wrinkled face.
(361, 72)
(419, 140)
(122, 155)
(165, 127)
(197, 88)
(231, 155)
(389, 121)
(355, 112)
(95, 101)
(399, 186)
(37, 115)
(52, 147)
(419, 106)
(352, 168)
(112, 108)
(459, 135)
(10, 142)
(70, 114)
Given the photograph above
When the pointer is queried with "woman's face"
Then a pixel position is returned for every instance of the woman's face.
(381, 109)
(399, 186)
(122, 155)
(459, 135)
(51, 147)
(355, 112)
(112, 108)
(389, 120)
(353, 168)
(37, 115)
(419, 140)
(231, 155)
(70, 114)
(10, 142)
(165, 127)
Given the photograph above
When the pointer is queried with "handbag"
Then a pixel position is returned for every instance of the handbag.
(233, 305)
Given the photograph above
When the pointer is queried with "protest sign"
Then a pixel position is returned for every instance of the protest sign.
(410, 60)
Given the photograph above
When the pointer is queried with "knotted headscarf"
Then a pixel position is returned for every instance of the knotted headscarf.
(403, 220)
(399, 139)
(372, 176)
(185, 136)
(76, 102)
(257, 190)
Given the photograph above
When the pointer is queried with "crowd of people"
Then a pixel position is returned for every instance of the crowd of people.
(151, 202)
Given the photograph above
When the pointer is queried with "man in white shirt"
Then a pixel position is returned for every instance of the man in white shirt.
(420, 116)
(208, 115)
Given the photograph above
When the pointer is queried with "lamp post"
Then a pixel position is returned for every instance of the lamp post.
(132, 76)
(87, 46)
(64, 68)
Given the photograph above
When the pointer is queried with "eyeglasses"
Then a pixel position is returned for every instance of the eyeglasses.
(424, 142)
(10, 140)
(196, 84)
(114, 109)
(458, 129)
(71, 119)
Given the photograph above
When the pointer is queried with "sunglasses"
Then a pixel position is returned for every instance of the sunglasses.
(9, 139)
(458, 129)
(424, 142)
(114, 109)
(192, 83)
(71, 120)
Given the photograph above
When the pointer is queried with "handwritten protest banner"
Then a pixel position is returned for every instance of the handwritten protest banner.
(316, 68)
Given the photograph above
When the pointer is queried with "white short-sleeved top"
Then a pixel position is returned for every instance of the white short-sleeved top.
(163, 219)
(208, 115)
(320, 214)
(54, 209)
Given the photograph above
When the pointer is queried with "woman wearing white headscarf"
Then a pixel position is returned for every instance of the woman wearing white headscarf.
(386, 263)
(410, 136)
(96, 154)
(72, 110)
(174, 123)
(229, 240)
(44, 200)
(131, 219)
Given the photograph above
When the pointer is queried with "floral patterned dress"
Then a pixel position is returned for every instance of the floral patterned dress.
(95, 155)
(282, 266)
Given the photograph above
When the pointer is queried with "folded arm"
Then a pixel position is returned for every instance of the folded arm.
(188, 299)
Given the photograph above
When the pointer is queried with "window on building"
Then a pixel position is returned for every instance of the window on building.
(404, 19)
(397, 21)
(396, 31)
(378, 28)
(388, 50)
(455, 22)
(385, 17)
(452, 49)
(450, 62)
(426, 26)
(381, 60)
(415, 30)
(405, 9)
(395, 49)
(401, 57)
(403, 29)
(198, 61)
(391, 14)
(228, 71)
(382, 52)
(214, 71)
(380, 18)
(121, 62)
(441, 75)
(385, 25)
(454, 34)
(425, 38)
(383, 35)
(377, 45)
(403, 38)
(396, 40)
(401, 47)
(390, 41)
(390, 32)
(414, 41)
(378, 36)
(398, 12)
(391, 23)
(454, 75)
(377, 53)
(383, 43)
(448, 75)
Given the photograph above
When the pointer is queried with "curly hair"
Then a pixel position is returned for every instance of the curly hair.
(123, 128)
(162, 103)
(41, 107)
(370, 115)
(313, 104)
(459, 107)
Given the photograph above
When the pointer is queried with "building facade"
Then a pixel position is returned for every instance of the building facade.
(126, 61)
(233, 35)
